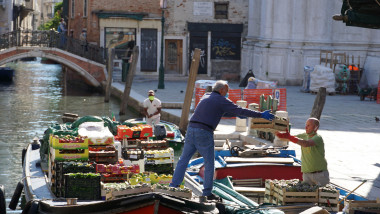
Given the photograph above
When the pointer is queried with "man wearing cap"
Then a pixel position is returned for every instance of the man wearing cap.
(200, 132)
(152, 109)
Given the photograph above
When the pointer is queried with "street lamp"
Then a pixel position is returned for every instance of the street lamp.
(161, 71)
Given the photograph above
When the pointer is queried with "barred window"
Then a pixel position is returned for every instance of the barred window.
(85, 2)
(72, 8)
(221, 10)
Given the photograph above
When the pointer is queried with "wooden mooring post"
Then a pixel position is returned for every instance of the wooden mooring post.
(111, 54)
(319, 103)
(128, 82)
(189, 90)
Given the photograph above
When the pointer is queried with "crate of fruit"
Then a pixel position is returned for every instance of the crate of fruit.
(177, 192)
(136, 154)
(167, 153)
(69, 142)
(73, 154)
(146, 131)
(329, 198)
(154, 144)
(159, 160)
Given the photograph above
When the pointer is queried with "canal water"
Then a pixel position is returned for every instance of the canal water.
(33, 101)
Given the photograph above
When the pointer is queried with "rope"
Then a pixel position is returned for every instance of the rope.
(377, 2)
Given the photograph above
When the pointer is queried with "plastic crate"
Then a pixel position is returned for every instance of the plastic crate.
(57, 143)
(124, 131)
(74, 154)
(133, 154)
(146, 131)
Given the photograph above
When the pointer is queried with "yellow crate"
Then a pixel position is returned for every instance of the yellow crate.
(59, 155)
(57, 145)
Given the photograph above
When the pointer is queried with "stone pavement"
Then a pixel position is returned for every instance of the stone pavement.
(348, 127)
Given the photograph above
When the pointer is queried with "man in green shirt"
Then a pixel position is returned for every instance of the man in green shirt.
(314, 164)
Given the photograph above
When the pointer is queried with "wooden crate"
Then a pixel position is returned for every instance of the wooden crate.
(280, 124)
(365, 206)
(261, 123)
(283, 197)
(187, 195)
(326, 198)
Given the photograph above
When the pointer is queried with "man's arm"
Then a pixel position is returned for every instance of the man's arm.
(158, 111)
(296, 140)
(146, 113)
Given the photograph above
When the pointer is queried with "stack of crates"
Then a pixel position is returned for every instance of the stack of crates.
(62, 168)
(103, 154)
(160, 161)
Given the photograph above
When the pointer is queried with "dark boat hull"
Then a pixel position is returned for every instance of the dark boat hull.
(6, 74)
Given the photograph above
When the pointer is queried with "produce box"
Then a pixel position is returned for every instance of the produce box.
(283, 197)
(167, 153)
(124, 131)
(100, 141)
(104, 159)
(159, 168)
(84, 186)
(129, 154)
(329, 199)
(154, 144)
(117, 169)
(102, 153)
(74, 154)
(112, 178)
(111, 191)
(159, 160)
(371, 206)
(68, 142)
(269, 191)
(146, 131)
(178, 192)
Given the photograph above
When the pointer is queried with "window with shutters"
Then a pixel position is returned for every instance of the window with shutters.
(72, 8)
(85, 2)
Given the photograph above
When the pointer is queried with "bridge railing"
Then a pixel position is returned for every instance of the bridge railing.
(53, 39)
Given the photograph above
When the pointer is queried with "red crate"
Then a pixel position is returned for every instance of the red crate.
(124, 131)
(146, 131)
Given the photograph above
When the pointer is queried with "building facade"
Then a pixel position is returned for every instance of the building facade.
(216, 27)
(286, 35)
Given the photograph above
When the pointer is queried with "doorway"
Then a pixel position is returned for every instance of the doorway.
(173, 56)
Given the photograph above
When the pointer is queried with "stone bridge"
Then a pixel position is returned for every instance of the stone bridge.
(86, 59)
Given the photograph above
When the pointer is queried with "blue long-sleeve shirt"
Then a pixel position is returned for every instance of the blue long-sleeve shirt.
(213, 107)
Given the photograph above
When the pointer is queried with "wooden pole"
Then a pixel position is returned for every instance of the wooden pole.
(319, 103)
(128, 82)
(111, 54)
(189, 90)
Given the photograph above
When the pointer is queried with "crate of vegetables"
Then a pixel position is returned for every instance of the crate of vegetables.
(84, 186)
(294, 191)
(66, 154)
(178, 192)
(329, 198)
(69, 142)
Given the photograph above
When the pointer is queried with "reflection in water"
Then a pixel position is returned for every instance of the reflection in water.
(33, 101)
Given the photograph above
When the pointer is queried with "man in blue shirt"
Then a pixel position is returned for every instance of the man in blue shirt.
(200, 132)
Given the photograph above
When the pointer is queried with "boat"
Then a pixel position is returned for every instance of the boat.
(250, 173)
(41, 173)
(6, 74)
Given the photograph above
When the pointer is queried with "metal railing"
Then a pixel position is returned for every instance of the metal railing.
(53, 39)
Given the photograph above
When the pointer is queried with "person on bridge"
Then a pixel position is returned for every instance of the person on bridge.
(62, 32)
(152, 109)
(200, 132)
(313, 161)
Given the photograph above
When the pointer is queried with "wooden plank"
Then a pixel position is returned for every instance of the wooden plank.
(189, 90)
(249, 189)
(128, 82)
(259, 160)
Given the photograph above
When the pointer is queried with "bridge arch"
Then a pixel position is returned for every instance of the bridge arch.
(94, 73)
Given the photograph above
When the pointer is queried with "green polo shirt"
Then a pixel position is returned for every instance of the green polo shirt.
(313, 157)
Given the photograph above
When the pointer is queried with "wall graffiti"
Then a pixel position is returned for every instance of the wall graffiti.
(225, 48)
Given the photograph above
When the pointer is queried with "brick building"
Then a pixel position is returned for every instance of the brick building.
(216, 27)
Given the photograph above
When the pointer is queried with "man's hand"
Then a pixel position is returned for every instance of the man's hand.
(286, 135)
(267, 115)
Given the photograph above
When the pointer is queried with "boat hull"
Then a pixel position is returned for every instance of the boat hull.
(6, 74)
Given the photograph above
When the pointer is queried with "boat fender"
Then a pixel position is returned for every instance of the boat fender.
(16, 196)
(2, 200)
(23, 156)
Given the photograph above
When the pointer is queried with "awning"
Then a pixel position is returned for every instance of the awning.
(114, 14)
